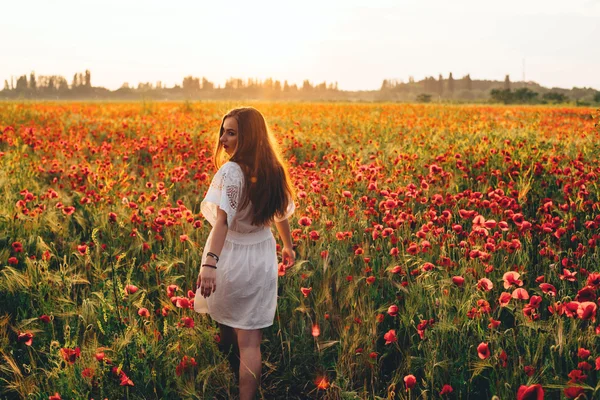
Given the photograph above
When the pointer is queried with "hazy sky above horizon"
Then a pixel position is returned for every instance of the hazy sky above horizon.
(356, 43)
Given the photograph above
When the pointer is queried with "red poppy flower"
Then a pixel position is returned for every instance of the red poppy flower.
(70, 355)
(17, 247)
(583, 353)
(390, 336)
(125, 381)
(131, 289)
(305, 221)
(520, 294)
(143, 312)
(493, 323)
(187, 322)
(446, 389)
(512, 278)
(483, 351)
(458, 280)
(171, 289)
(533, 392)
(82, 249)
(588, 293)
(410, 381)
(322, 382)
(393, 310)
(55, 396)
(185, 364)
(485, 284)
(576, 376)
(306, 291)
(316, 331)
(587, 310)
(25, 337)
(504, 299)
(87, 373)
(573, 392)
(548, 289)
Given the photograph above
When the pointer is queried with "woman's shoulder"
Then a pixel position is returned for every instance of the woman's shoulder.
(231, 168)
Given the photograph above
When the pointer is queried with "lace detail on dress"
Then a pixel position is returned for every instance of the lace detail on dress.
(232, 195)
(224, 192)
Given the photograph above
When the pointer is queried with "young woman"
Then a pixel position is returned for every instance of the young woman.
(248, 193)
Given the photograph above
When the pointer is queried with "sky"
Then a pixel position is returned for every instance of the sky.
(356, 43)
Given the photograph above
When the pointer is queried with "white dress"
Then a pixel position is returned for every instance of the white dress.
(246, 294)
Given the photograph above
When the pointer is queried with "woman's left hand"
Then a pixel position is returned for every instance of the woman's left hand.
(207, 281)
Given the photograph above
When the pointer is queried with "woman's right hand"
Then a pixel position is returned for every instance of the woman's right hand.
(288, 256)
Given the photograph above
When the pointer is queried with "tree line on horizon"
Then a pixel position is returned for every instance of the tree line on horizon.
(428, 89)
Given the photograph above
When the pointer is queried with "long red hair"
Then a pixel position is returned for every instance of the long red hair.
(266, 177)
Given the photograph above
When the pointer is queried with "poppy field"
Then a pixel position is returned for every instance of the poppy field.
(442, 252)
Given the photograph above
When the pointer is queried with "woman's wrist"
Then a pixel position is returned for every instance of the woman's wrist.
(210, 261)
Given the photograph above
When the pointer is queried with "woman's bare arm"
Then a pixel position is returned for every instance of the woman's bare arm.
(283, 227)
(219, 232)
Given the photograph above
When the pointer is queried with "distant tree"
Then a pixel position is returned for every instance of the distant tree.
(145, 87)
(450, 83)
(268, 84)
(207, 85)
(430, 85)
(286, 86)
(385, 85)
(6, 86)
(191, 84)
(468, 82)
(440, 85)
(525, 95)
(555, 97)
(75, 83)
(411, 79)
(22, 83)
(321, 87)
(277, 86)
(88, 79)
(32, 82)
(307, 86)
(158, 85)
(502, 95)
(125, 86)
(597, 97)
(507, 83)
(62, 86)
(424, 98)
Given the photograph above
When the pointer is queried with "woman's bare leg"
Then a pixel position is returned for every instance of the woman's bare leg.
(229, 346)
(250, 361)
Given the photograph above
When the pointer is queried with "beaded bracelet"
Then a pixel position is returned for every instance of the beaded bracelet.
(213, 255)
(208, 265)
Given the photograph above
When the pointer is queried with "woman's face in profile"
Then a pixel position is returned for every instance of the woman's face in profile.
(230, 135)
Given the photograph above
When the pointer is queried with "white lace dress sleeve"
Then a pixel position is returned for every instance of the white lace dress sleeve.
(288, 212)
(224, 192)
